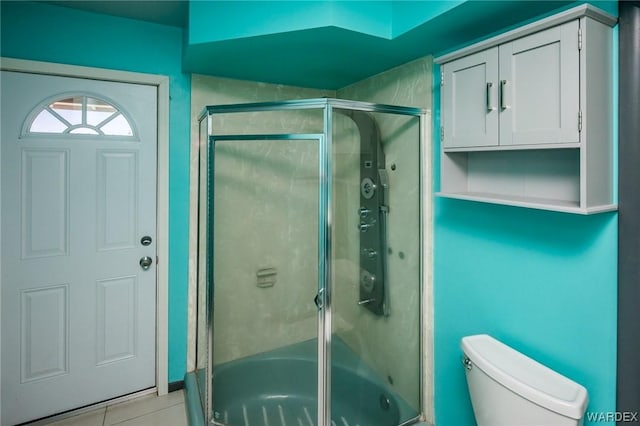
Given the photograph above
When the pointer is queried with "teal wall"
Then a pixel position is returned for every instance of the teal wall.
(542, 282)
(225, 20)
(41, 32)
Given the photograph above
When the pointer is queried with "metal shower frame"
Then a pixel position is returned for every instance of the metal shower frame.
(324, 223)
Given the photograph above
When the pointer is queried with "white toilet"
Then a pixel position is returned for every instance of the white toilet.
(508, 388)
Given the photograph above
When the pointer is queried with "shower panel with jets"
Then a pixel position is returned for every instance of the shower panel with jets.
(310, 265)
(373, 210)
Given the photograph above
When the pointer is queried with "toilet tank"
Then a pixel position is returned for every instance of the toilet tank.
(508, 388)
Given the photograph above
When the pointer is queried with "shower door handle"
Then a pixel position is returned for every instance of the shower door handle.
(319, 300)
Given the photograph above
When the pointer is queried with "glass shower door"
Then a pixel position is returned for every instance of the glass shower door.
(264, 195)
(376, 257)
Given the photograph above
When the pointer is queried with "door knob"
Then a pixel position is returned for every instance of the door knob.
(145, 262)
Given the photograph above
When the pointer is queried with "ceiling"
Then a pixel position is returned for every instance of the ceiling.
(335, 55)
(166, 12)
(259, 45)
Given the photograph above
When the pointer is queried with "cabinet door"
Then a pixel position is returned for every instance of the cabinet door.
(539, 87)
(469, 100)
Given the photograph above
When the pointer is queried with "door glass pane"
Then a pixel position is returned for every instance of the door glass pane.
(119, 126)
(45, 122)
(83, 131)
(265, 276)
(375, 346)
(98, 111)
(70, 109)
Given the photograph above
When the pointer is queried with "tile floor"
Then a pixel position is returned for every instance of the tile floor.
(166, 410)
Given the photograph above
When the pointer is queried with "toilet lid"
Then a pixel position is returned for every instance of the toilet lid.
(525, 376)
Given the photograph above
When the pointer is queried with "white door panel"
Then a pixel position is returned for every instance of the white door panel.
(44, 195)
(469, 100)
(540, 77)
(78, 311)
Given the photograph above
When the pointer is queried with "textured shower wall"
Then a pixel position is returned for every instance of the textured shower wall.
(391, 345)
(266, 217)
(266, 202)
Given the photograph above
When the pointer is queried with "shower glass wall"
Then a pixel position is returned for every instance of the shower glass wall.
(310, 264)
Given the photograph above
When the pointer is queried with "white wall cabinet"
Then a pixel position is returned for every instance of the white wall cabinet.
(527, 116)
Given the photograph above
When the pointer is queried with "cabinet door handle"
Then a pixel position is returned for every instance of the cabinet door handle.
(503, 95)
(490, 106)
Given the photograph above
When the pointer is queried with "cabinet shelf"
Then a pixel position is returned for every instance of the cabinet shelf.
(527, 202)
(572, 145)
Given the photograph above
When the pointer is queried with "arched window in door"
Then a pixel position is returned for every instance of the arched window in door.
(79, 114)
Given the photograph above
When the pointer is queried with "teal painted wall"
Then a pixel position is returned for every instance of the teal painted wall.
(213, 21)
(410, 14)
(41, 32)
(544, 283)
(224, 20)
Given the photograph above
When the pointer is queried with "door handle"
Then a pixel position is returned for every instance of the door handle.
(503, 95)
(490, 106)
(318, 300)
(145, 262)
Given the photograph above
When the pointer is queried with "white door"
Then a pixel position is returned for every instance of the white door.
(78, 179)
(470, 100)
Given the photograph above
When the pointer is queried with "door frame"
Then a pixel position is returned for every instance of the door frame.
(161, 82)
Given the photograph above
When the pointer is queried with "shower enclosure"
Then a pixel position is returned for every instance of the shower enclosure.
(310, 269)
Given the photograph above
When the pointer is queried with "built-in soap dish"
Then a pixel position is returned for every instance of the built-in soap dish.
(266, 277)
